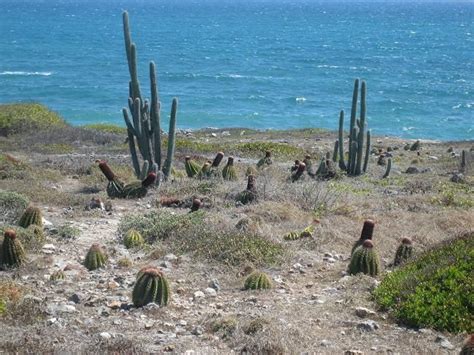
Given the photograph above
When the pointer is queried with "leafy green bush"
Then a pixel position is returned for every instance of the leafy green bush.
(434, 290)
(455, 195)
(18, 118)
(279, 150)
(12, 205)
(107, 128)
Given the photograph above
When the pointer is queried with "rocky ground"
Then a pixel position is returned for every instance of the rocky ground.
(314, 306)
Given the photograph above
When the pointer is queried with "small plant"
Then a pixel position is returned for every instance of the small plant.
(12, 205)
(13, 254)
(67, 231)
(151, 287)
(95, 258)
(32, 215)
(266, 160)
(258, 281)
(229, 173)
(404, 252)
(365, 260)
(124, 263)
(114, 186)
(468, 346)
(367, 232)
(133, 239)
(192, 168)
(58, 275)
(305, 233)
(250, 194)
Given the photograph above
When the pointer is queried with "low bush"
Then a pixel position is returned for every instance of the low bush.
(12, 206)
(434, 290)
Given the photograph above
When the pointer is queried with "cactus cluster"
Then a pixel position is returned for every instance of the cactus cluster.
(404, 251)
(192, 168)
(31, 216)
(367, 233)
(151, 287)
(357, 163)
(139, 189)
(133, 239)
(12, 253)
(95, 258)
(257, 281)
(144, 127)
(229, 173)
(250, 194)
(365, 260)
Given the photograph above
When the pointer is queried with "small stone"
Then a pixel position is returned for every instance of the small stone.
(328, 255)
(166, 264)
(149, 325)
(457, 177)
(151, 306)
(105, 335)
(363, 312)
(444, 342)
(183, 323)
(215, 284)
(117, 322)
(325, 343)
(198, 295)
(210, 292)
(197, 330)
(51, 321)
(213, 135)
(48, 249)
(368, 326)
(75, 297)
(353, 352)
(114, 304)
(170, 257)
(330, 260)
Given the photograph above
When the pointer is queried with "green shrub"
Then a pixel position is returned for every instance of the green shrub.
(107, 128)
(68, 231)
(19, 118)
(434, 290)
(12, 205)
(12, 168)
(455, 195)
(279, 150)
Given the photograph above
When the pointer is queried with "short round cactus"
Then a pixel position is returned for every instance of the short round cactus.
(192, 168)
(58, 275)
(258, 281)
(197, 204)
(367, 232)
(404, 251)
(229, 173)
(468, 346)
(151, 287)
(133, 239)
(139, 189)
(95, 258)
(217, 160)
(365, 260)
(250, 194)
(205, 171)
(298, 174)
(32, 215)
(13, 254)
(266, 160)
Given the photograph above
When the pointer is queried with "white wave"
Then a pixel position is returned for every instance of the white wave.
(301, 99)
(408, 128)
(27, 73)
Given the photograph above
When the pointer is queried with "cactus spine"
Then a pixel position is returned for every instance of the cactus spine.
(258, 281)
(133, 239)
(356, 163)
(404, 251)
(31, 216)
(365, 260)
(144, 129)
(13, 254)
(95, 258)
(151, 287)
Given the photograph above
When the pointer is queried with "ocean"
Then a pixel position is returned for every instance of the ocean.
(257, 64)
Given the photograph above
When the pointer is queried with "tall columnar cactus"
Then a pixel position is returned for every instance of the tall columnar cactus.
(114, 185)
(229, 173)
(95, 258)
(365, 260)
(257, 281)
(266, 160)
(133, 239)
(356, 164)
(192, 168)
(13, 254)
(32, 215)
(151, 287)
(367, 233)
(463, 160)
(404, 251)
(144, 129)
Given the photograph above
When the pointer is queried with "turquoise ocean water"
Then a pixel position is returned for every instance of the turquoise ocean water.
(267, 64)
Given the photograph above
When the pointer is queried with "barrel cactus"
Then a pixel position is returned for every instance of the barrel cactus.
(266, 160)
(250, 194)
(151, 287)
(229, 173)
(114, 186)
(468, 346)
(192, 168)
(404, 251)
(13, 254)
(31, 216)
(133, 239)
(139, 189)
(95, 258)
(365, 260)
(205, 171)
(197, 204)
(258, 281)
(298, 174)
(367, 232)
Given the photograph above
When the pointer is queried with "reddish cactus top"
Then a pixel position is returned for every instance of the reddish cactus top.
(96, 247)
(406, 241)
(197, 203)
(301, 168)
(149, 180)
(268, 154)
(368, 244)
(307, 156)
(367, 230)
(217, 159)
(105, 168)
(10, 233)
(230, 161)
(151, 271)
(251, 182)
(187, 158)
